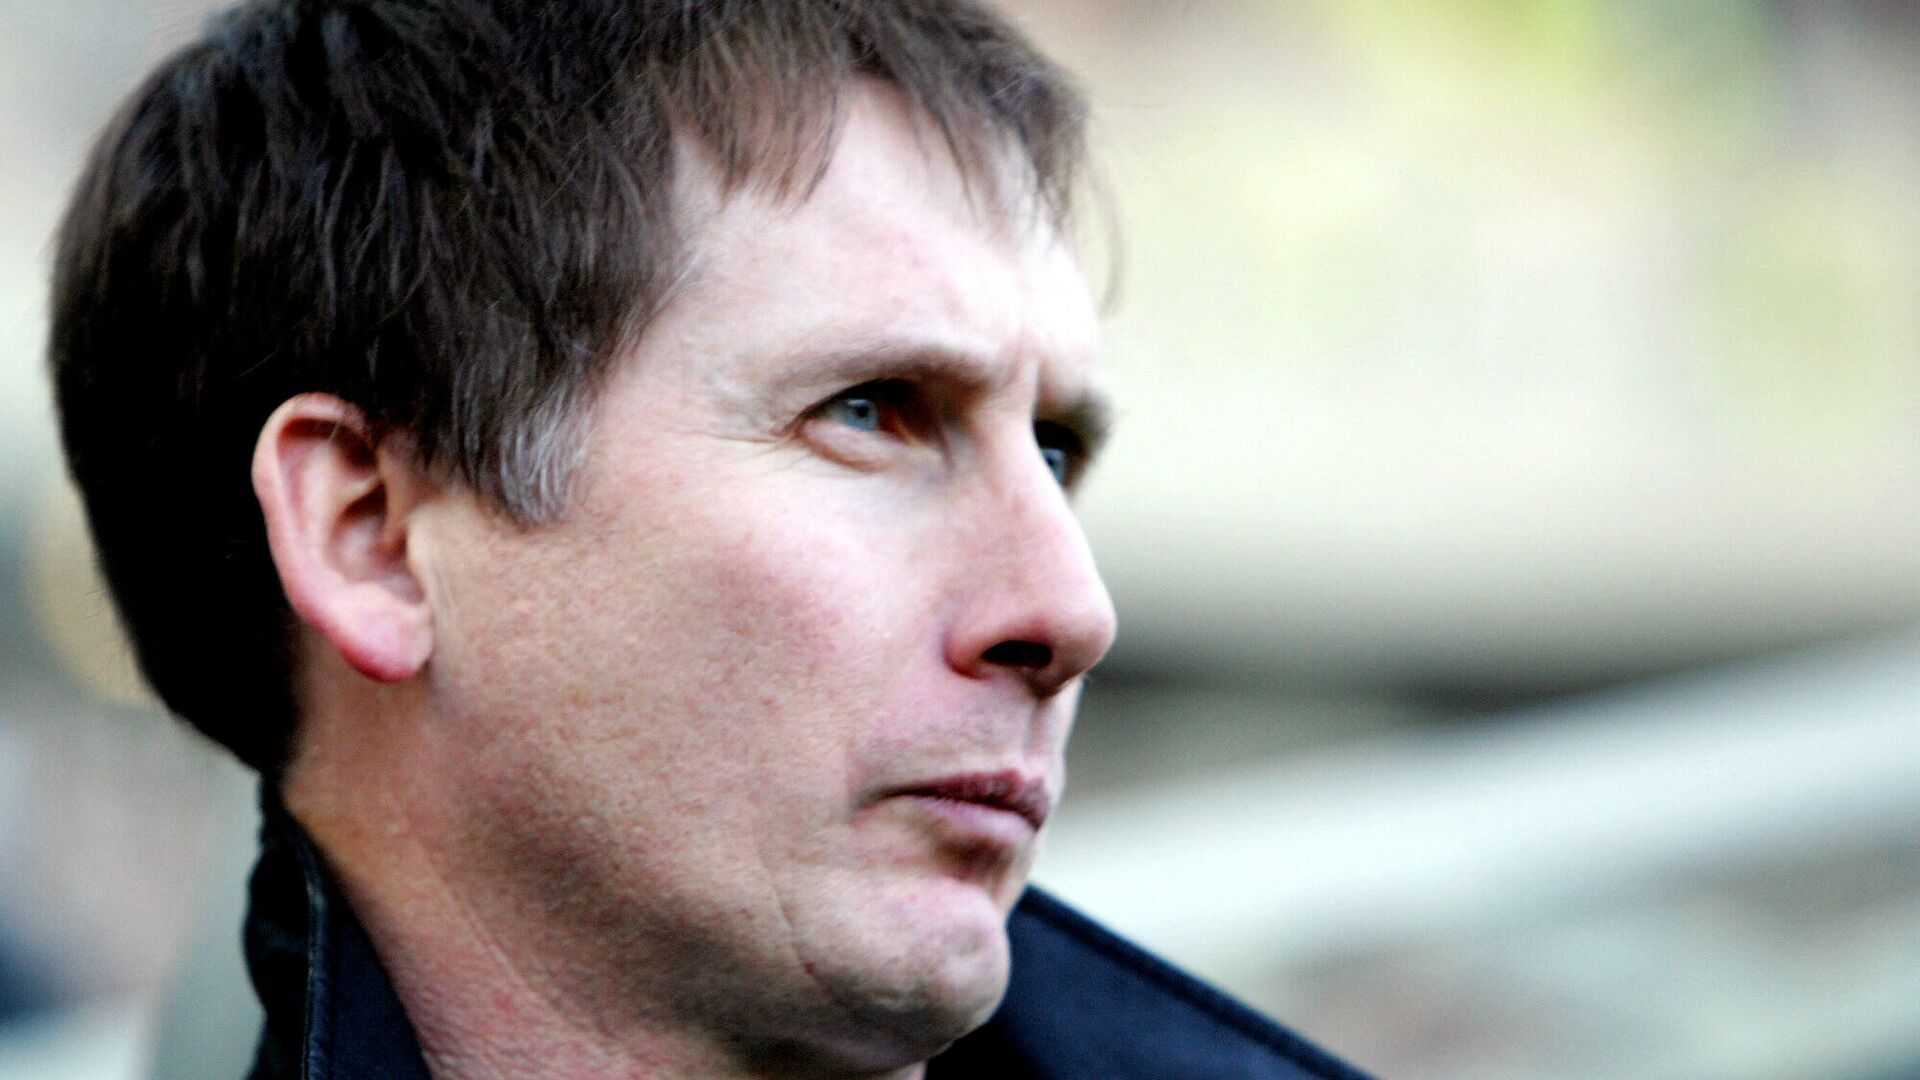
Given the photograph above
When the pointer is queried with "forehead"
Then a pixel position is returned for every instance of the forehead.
(893, 245)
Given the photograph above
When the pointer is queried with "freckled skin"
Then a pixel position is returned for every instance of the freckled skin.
(656, 732)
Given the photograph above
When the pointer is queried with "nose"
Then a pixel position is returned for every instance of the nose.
(1032, 605)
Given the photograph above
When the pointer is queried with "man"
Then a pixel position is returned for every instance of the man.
(606, 463)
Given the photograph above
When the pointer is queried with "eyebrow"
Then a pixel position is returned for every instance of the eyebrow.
(1087, 409)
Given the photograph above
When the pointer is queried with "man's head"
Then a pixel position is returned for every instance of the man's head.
(691, 633)
(452, 215)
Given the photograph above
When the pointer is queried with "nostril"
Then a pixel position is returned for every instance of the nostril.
(1030, 655)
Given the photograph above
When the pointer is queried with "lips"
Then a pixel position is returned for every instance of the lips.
(1008, 791)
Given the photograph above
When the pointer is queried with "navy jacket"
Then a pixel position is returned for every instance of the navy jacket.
(1082, 1004)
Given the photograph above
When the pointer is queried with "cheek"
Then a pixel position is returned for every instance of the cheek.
(660, 656)
(823, 575)
(820, 624)
(824, 635)
(733, 632)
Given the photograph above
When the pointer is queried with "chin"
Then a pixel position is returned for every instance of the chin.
(918, 970)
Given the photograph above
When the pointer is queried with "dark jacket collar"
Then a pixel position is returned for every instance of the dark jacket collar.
(1082, 1004)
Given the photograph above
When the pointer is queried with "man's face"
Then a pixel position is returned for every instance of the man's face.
(763, 730)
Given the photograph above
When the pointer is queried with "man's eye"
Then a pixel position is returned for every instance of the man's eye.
(855, 412)
(1062, 449)
(1057, 462)
(874, 406)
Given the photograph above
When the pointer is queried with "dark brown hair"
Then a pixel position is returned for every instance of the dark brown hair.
(453, 214)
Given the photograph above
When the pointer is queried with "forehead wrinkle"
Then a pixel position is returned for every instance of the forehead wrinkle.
(911, 357)
(855, 208)
(941, 320)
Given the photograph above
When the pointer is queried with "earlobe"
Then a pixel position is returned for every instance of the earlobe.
(337, 508)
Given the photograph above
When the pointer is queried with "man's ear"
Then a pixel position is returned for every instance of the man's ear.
(337, 509)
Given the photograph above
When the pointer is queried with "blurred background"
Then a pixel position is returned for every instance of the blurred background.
(1515, 522)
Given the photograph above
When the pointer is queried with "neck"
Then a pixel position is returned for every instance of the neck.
(486, 1006)
(499, 984)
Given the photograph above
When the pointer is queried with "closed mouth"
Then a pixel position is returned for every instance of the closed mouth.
(1009, 791)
